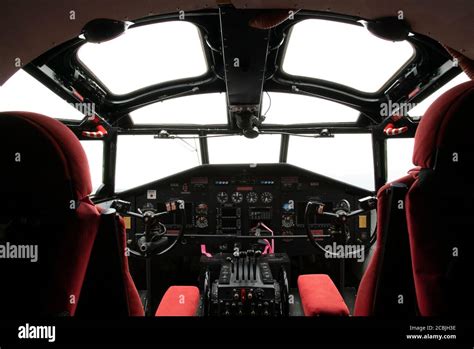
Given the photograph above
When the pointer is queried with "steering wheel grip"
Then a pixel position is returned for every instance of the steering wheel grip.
(149, 248)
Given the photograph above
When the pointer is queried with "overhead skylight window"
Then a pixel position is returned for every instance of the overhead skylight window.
(241, 150)
(288, 108)
(343, 53)
(420, 109)
(146, 55)
(346, 157)
(22, 92)
(142, 159)
(202, 109)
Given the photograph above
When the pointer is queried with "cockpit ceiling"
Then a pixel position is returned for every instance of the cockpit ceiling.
(30, 28)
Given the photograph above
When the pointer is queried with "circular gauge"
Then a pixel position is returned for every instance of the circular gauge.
(222, 197)
(252, 197)
(202, 222)
(287, 221)
(202, 209)
(237, 197)
(267, 197)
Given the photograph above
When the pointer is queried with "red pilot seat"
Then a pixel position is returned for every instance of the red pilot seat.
(426, 254)
(45, 186)
(440, 205)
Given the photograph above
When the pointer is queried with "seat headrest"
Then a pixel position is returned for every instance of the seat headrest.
(51, 156)
(448, 123)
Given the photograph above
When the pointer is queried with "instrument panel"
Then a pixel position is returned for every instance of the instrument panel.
(242, 200)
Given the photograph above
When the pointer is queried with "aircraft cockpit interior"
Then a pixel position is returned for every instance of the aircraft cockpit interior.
(238, 160)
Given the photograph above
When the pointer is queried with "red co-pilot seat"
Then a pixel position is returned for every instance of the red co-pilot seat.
(429, 268)
(440, 205)
(387, 288)
(44, 203)
(388, 275)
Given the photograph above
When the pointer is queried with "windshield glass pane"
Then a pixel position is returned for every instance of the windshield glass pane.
(241, 150)
(95, 155)
(346, 157)
(288, 109)
(146, 55)
(143, 159)
(399, 157)
(22, 92)
(343, 53)
(203, 109)
(420, 109)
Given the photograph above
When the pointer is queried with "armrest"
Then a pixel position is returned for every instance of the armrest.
(179, 301)
(320, 297)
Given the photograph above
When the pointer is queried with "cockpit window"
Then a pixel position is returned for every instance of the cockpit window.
(146, 55)
(209, 108)
(288, 109)
(241, 150)
(343, 53)
(419, 110)
(94, 150)
(142, 159)
(399, 157)
(346, 157)
(22, 92)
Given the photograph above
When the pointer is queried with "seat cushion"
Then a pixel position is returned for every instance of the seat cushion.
(179, 301)
(320, 297)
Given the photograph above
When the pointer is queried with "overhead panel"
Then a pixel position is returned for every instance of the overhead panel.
(245, 52)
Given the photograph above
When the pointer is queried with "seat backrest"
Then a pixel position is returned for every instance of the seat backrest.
(46, 216)
(440, 205)
(386, 288)
(81, 267)
(44, 206)
(45, 213)
(109, 290)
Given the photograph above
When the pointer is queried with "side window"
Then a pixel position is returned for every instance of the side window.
(399, 157)
(346, 157)
(142, 159)
(95, 154)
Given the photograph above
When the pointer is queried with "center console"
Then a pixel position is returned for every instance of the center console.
(246, 283)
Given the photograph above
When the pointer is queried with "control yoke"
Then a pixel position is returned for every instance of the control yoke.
(339, 217)
(154, 234)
